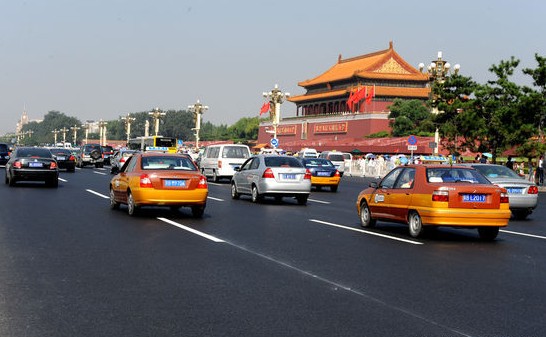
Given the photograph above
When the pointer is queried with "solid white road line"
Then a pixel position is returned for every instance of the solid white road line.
(99, 194)
(191, 230)
(366, 232)
(101, 173)
(524, 234)
(217, 199)
(319, 201)
(63, 180)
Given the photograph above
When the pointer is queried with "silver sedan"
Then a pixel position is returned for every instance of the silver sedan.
(522, 194)
(274, 176)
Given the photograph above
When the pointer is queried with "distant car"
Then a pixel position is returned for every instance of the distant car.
(118, 159)
(32, 164)
(436, 195)
(323, 173)
(523, 194)
(90, 154)
(159, 179)
(272, 176)
(65, 159)
(107, 151)
(4, 153)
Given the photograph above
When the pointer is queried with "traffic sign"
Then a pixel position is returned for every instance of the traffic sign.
(274, 142)
(412, 147)
(412, 140)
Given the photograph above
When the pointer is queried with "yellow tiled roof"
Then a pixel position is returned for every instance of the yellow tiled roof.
(419, 93)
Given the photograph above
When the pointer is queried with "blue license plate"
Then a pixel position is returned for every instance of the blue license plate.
(514, 190)
(35, 164)
(323, 174)
(174, 183)
(474, 197)
(289, 176)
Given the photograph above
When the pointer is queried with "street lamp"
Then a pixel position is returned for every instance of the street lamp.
(86, 128)
(128, 120)
(156, 114)
(276, 97)
(102, 132)
(438, 71)
(64, 131)
(198, 109)
(55, 133)
(75, 129)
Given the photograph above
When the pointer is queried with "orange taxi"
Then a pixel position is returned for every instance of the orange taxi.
(436, 195)
(159, 179)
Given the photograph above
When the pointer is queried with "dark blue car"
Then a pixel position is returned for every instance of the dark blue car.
(4, 153)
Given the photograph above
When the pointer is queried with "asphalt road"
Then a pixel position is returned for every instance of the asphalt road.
(70, 266)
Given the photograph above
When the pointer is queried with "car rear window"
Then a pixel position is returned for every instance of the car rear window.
(455, 175)
(167, 163)
(282, 161)
(318, 162)
(235, 152)
(336, 157)
(34, 152)
(4, 148)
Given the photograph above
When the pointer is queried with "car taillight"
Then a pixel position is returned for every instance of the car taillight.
(308, 174)
(268, 173)
(202, 182)
(504, 198)
(17, 164)
(53, 165)
(72, 158)
(219, 164)
(145, 181)
(122, 160)
(532, 190)
(440, 196)
(337, 174)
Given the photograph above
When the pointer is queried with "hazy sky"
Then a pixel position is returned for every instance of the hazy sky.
(98, 59)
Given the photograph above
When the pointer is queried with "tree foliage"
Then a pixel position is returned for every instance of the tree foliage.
(410, 117)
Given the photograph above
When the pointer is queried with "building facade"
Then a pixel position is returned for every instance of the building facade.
(325, 114)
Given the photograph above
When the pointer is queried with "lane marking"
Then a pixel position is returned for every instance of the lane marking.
(191, 230)
(524, 234)
(217, 199)
(99, 194)
(367, 232)
(101, 173)
(63, 180)
(319, 201)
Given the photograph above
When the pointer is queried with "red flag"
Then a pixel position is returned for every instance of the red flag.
(370, 95)
(350, 102)
(265, 108)
(360, 94)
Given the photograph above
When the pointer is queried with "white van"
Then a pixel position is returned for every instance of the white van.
(336, 158)
(308, 153)
(218, 161)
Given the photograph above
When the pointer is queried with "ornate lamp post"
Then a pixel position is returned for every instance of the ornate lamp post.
(75, 130)
(156, 114)
(64, 131)
(128, 120)
(55, 133)
(198, 109)
(86, 128)
(102, 132)
(276, 97)
(438, 71)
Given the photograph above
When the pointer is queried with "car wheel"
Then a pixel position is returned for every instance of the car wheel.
(366, 220)
(132, 208)
(214, 176)
(95, 154)
(415, 224)
(198, 211)
(302, 199)
(6, 180)
(333, 188)
(113, 203)
(256, 197)
(234, 194)
(11, 181)
(521, 214)
(488, 233)
(53, 182)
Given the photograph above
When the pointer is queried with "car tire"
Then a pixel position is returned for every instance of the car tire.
(198, 211)
(132, 208)
(521, 214)
(488, 233)
(255, 195)
(333, 188)
(53, 182)
(113, 203)
(11, 181)
(302, 199)
(415, 224)
(95, 154)
(366, 220)
(214, 176)
(234, 193)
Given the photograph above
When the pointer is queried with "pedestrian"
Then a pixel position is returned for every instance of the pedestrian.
(540, 169)
(531, 171)
(510, 163)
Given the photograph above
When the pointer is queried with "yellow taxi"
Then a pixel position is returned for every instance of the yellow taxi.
(436, 195)
(159, 179)
(323, 173)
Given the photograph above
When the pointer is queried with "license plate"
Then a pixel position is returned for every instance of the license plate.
(35, 164)
(289, 176)
(61, 158)
(174, 183)
(323, 174)
(514, 190)
(474, 197)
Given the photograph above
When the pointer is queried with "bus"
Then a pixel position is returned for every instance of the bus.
(153, 143)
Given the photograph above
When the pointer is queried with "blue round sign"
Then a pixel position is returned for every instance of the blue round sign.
(412, 140)
(274, 142)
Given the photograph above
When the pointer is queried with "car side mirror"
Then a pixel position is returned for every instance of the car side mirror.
(115, 170)
(237, 168)
(373, 184)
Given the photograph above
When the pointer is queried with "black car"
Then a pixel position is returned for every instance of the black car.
(32, 164)
(4, 153)
(108, 152)
(65, 159)
(90, 154)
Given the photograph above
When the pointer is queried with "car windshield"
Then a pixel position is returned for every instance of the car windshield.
(282, 161)
(454, 175)
(336, 157)
(34, 152)
(318, 163)
(235, 152)
(496, 171)
(61, 151)
(167, 163)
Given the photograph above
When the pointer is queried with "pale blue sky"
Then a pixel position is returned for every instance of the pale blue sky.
(105, 58)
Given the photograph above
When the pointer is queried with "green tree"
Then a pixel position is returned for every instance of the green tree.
(410, 117)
